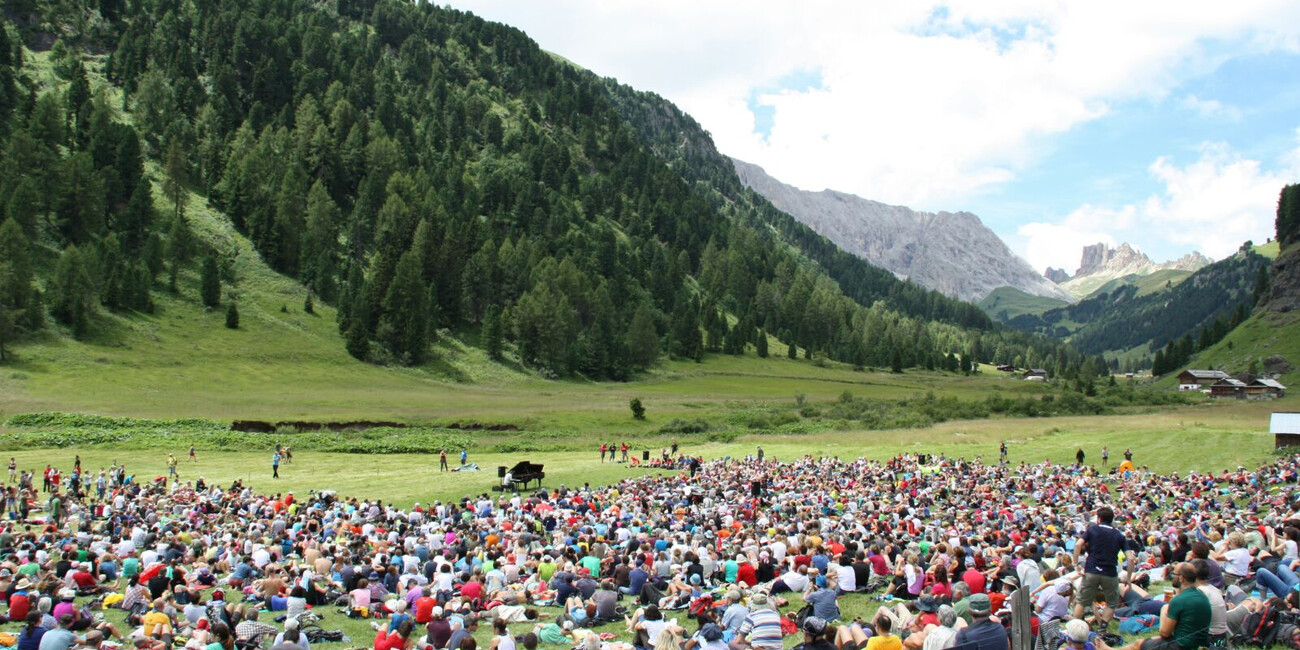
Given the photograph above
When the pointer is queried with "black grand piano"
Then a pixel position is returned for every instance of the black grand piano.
(518, 477)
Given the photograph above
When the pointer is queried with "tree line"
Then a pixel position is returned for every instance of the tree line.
(426, 172)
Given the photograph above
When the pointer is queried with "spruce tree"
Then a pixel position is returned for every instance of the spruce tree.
(643, 339)
(404, 327)
(210, 283)
(74, 292)
(8, 324)
(232, 316)
(308, 306)
(492, 332)
(760, 343)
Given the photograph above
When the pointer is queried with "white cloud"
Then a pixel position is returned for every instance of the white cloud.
(1211, 205)
(1211, 108)
(922, 103)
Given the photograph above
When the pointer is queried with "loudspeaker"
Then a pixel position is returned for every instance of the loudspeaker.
(501, 471)
(645, 455)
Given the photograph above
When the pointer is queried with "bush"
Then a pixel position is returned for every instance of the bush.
(638, 409)
(678, 425)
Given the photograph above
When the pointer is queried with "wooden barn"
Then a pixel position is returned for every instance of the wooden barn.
(1285, 428)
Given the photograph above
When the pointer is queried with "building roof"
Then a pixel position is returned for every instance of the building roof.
(1205, 374)
(1285, 423)
(1271, 383)
(1036, 371)
(1234, 383)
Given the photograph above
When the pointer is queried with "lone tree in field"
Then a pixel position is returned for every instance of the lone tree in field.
(309, 306)
(232, 317)
(210, 283)
(638, 410)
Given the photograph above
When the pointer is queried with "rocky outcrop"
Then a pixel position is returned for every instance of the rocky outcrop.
(1100, 264)
(1283, 293)
(1056, 275)
(951, 252)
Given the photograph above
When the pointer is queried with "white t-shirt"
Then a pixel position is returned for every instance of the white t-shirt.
(1236, 561)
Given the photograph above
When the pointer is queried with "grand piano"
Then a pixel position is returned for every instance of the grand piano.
(518, 477)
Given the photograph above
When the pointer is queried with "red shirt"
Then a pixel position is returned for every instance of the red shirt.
(424, 609)
(471, 590)
(746, 575)
(975, 580)
(19, 605)
(83, 579)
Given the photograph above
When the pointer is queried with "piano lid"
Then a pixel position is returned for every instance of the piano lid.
(525, 467)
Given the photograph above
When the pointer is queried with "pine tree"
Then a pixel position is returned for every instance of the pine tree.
(404, 327)
(760, 344)
(308, 306)
(210, 283)
(15, 269)
(492, 334)
(643, 339)
(358, 341)
(74, 291)
(896, 362)
(8, 323)
(232, 316)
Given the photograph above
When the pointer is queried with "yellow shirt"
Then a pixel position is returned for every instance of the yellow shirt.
(890, 642)
(154, 619)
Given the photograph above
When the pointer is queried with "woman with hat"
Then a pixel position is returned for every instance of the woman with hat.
(817, 634)
(710, 637)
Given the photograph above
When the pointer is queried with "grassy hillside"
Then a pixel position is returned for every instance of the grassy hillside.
(1145, 284)
(1264, 336)
(1005, 303)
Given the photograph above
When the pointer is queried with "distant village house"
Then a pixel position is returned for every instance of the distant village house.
(1036, 374)
(1200, 379)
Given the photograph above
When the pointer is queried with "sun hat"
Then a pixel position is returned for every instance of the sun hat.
(927, 604)
(711, 632)
(814, 626)
(758, 601)
(980, 605)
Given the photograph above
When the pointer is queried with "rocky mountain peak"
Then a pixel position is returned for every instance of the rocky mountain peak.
(951, 252)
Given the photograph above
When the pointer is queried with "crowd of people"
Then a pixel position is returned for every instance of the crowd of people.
(724, 555)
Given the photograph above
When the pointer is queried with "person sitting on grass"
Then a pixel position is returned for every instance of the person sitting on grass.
(1185, 620)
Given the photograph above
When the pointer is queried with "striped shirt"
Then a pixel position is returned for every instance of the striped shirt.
(763, 628)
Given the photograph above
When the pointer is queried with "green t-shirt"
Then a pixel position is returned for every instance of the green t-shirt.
(1192, 611)
(130, 567)
(545, 570)
(592, 563)
(962, 607)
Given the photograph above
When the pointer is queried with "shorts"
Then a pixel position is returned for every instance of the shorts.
(1107, 585)
(1159, 643)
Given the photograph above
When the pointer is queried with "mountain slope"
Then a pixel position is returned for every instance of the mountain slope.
(437, 178)
(953, 253)
(1006, 303)
(1129, 320)
(1100, 265)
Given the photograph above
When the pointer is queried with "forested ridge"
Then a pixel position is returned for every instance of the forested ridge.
(425, 171)
(1170, 324)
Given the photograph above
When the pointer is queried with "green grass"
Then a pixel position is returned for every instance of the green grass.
(1146, 284)
(1005, 303)
(1265, 334)
(1269, 250)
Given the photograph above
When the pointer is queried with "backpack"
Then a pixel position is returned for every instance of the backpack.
(701, 606)
(1260, 627)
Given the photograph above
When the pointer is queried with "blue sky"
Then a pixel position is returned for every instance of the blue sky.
(1169, 125)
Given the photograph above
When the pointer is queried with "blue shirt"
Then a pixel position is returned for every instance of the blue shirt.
(1104, 544)
(985, 634)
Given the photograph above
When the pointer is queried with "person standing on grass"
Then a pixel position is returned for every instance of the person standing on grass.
(1002, 452)
(1078, 457)
(171, 465)
(193, 457)
(13, 470)
(464, 456)
(442, 460)
(1105, 456)
(275, 464)
(603, 447)
(1103, 545)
